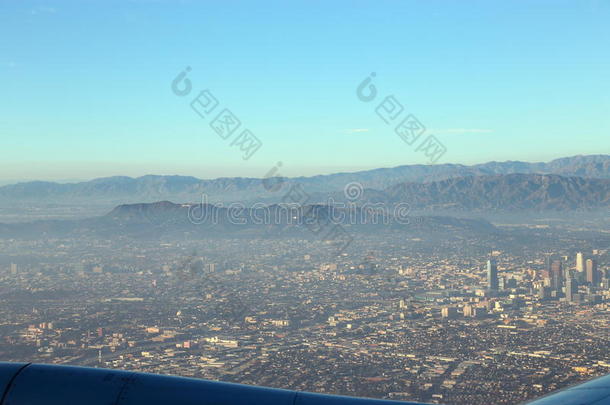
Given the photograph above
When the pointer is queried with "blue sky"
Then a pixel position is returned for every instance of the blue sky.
(86, 84)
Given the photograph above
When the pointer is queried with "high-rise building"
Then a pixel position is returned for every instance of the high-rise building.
(492, 274)
(543, 292)
(571, 289)
(591, 272)
(555, 273)
(449, 312)
(580, 262)
(13, 268)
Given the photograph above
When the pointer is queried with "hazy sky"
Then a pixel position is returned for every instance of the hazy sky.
(86, 84)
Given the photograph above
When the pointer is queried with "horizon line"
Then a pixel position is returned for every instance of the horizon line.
(10, 182)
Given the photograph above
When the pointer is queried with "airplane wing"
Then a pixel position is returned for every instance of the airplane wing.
(594, 392)
(34, 384)
(37, 384)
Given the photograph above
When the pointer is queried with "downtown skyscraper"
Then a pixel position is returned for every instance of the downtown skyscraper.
(492, 274)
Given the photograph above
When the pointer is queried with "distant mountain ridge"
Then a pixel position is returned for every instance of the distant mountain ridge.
(112, 191)
(510, 192)
(438, 200)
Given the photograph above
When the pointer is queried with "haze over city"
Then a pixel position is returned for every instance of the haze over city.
(395, 200)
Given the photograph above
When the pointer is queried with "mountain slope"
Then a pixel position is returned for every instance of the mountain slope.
(116, 190)
(505, 192)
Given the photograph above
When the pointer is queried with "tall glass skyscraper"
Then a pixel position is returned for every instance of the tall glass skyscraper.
(492, 274)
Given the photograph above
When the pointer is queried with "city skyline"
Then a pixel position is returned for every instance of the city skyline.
(288, 313)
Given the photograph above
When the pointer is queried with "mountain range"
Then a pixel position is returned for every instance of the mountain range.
(572, 183)
(510, 192)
